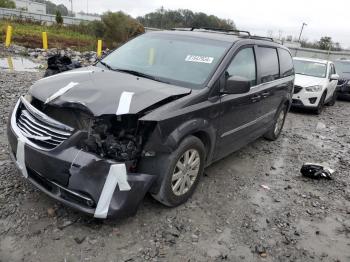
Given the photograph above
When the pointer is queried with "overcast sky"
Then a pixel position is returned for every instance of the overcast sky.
(324, 18)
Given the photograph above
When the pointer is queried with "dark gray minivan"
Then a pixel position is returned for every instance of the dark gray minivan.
(150, 117)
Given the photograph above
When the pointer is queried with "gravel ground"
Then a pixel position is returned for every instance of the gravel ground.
(230, 217)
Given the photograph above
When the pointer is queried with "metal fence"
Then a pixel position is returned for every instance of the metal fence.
(48, 19)
(321, 54)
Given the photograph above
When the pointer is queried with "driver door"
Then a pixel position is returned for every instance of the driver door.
(238, 123)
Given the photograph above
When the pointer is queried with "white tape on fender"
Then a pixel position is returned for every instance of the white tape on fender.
(20, 155)
(116, 176)
(124, 103)
(61, 91)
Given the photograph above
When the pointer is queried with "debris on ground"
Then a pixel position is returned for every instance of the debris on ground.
(57, 64)
(316, 171)
(265, 187)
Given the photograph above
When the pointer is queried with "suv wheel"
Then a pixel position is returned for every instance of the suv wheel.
(320, 105)
(334, 99)
(277, 127)
(182, 170)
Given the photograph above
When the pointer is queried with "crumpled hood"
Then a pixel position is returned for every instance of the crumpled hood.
(103, 91)
(305, 81)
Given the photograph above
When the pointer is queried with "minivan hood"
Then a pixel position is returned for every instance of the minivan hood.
(99, 91)
(305, 81)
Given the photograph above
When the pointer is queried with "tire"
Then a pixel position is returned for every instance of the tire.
(276, 129)
(168, 194)
(320, 105)
(334, 99)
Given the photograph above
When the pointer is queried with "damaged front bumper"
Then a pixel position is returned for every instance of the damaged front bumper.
(82, 180)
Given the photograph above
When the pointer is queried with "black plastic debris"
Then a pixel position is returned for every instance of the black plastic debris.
(57, 64)
(316, 171)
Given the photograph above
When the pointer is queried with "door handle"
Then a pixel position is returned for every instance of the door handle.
(265, 94)
(255, 98)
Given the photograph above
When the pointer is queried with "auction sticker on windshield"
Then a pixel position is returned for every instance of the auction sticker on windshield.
(199, 59)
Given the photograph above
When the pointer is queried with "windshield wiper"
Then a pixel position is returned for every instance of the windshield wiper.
(140, 74)
(105, 65)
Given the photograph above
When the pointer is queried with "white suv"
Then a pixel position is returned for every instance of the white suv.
(315, 83)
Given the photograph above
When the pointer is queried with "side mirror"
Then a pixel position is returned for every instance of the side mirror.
(236, 85)
(334, 77)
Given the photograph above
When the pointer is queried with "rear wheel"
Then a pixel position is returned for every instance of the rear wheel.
(277, 127)
(182, 170)
(320, 105)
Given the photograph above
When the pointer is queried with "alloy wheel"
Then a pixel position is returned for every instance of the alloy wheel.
(185, 172)
(279, 122)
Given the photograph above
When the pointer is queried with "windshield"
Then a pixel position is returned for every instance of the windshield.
(175, 59)
(310, 68)
(342, 67)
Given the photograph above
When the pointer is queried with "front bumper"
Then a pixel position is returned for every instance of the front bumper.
(77, 178)
(306, 99)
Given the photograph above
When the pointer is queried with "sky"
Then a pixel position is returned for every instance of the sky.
(279, 17)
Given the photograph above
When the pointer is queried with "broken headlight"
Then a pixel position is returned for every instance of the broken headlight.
(114, 138)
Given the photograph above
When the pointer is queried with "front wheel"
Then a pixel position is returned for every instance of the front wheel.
(181, 172)
(277, 127)
(320, 105)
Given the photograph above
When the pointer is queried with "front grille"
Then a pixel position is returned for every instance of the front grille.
(297, 102)
(43, 131)
(297, 89)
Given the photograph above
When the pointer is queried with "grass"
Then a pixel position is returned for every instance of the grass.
(30, 35)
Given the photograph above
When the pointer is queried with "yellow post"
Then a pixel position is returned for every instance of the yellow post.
(45, 45)
(10, 63)
(99, 48)
(8, 36)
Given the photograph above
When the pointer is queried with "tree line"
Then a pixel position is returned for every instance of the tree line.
(325, 43)
(167, 19)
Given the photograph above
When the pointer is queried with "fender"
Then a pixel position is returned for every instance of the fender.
(162, 141)
(163, 147)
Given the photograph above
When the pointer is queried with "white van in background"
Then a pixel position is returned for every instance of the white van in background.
(315, 83)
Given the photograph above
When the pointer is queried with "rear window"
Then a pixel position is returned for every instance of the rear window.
(286, 63)
(269, 64)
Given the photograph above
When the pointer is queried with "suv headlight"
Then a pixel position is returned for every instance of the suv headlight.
(313, 88)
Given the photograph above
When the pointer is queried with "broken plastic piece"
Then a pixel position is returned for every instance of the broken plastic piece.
(57, 64)
(316, 171)
(265, 187)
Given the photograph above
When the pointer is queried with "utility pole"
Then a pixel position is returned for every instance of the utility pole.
(301, 31)
(71, 7)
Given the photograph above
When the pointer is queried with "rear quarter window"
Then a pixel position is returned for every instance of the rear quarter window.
(269, 66)
(286, 63)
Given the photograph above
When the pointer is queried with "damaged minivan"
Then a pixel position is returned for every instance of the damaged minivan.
(149, 117)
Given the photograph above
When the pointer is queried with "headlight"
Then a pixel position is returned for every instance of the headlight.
(313, 88)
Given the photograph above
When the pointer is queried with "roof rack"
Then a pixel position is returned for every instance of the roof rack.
(228, 31)
(221, 30)
(261, 38)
